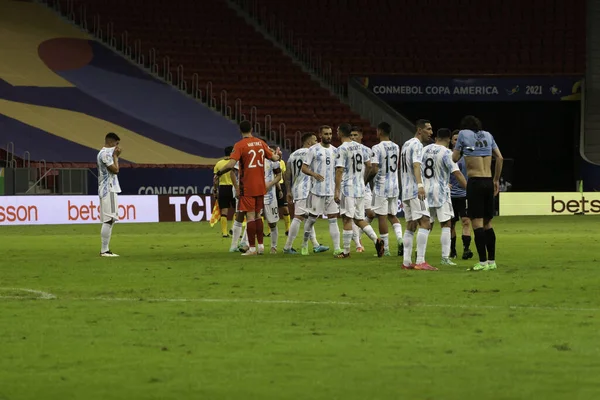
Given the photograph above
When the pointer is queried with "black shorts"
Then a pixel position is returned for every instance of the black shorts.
(226, 199)
(282, 202)
(480, 195)
(459, 205)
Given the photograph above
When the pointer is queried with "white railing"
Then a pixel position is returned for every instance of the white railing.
(304, 53)
(161, 68)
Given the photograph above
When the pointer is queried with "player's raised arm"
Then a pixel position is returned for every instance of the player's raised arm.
(112, 162)
(307, 170)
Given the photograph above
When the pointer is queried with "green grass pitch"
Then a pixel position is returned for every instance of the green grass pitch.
(178, 317)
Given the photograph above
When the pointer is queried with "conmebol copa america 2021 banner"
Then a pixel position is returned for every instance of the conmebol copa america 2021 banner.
(411, 88)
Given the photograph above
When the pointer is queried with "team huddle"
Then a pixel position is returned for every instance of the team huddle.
(359, 184)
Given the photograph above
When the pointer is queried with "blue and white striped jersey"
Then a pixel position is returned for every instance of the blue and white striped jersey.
(386, 155)
(457, 190)
(300, 181)
(368, 154)
(107, 181)
(351, 156)
(321, 160)
(412, 152)
(270, 167)
(436, 170)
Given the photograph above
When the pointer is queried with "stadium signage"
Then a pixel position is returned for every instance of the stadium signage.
(184, 208)
(59, 210)
(549, 203)
(410, 88)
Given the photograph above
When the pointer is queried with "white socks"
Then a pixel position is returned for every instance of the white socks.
(347, 240)
(368, 230)
(408, 246)
(356, 231)
(398, 231)
(386, 241)
(422, 236)
(293, 233)
(105, 234)
(445, 239)
(237, 232)
(308, 228)
(274, 235)
(313, 238)
(334, 231)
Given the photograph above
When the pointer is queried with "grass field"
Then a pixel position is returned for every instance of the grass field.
(177, 317)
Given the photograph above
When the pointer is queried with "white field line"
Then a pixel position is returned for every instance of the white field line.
(49, 296)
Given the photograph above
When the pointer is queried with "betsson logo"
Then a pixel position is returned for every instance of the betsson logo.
(18, 214)
(91, 212)
(575, 206)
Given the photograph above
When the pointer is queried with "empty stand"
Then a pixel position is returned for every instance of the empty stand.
(208, 38)
(446, 37)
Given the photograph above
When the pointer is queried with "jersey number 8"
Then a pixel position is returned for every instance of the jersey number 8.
(428, 171)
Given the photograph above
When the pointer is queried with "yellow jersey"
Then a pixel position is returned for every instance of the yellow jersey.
(283, 167)
(225, 179)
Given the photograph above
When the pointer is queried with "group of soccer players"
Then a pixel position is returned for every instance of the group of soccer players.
(358, 184)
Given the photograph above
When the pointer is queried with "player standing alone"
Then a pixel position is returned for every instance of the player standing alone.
(478, 146)
(350, 178)
(459, 205)
(251, 153)
(386, 155)
(108, 187)
(414, 200)
(438, 167)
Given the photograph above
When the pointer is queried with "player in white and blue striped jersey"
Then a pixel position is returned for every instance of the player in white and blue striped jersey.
(108, 188)
(414, 200)
(357, 136)
(386, 157)
(351, 174)
(437, 169)
(459, 204)
(271, 208)
(319, 165)
(298, 186)
(478, 147)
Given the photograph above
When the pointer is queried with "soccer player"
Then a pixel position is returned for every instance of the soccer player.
(224, 187)
(357, 136)
(108, 187)
(298, 189)
(386, 190)
(271, 209)
(459, 205)
(320, 165)
(438, 167)
(414, 199)
(478, 147)
(351, 175)
(251, 152)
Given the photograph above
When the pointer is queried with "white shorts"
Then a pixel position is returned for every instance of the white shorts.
(109, 208)
(368, 201)
(415, 209)
(385, 205)
(321, 205)
(300, 208)
(352, 207)
(443, 213)
(271, 212)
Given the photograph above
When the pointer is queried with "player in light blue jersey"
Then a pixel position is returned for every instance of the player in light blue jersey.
(438, 167)
(357, 136)
(351, 175)
(108, 187)
(414, 200)
(320, 165)
(459, 204)
(478, 146)
(298, 186)
(271, 208)
(386, 157)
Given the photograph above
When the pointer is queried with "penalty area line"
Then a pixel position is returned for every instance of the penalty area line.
(40, 294)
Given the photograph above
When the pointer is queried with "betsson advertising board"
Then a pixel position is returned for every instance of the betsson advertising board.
(513, 203)
(60, 210)
(64, 210)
